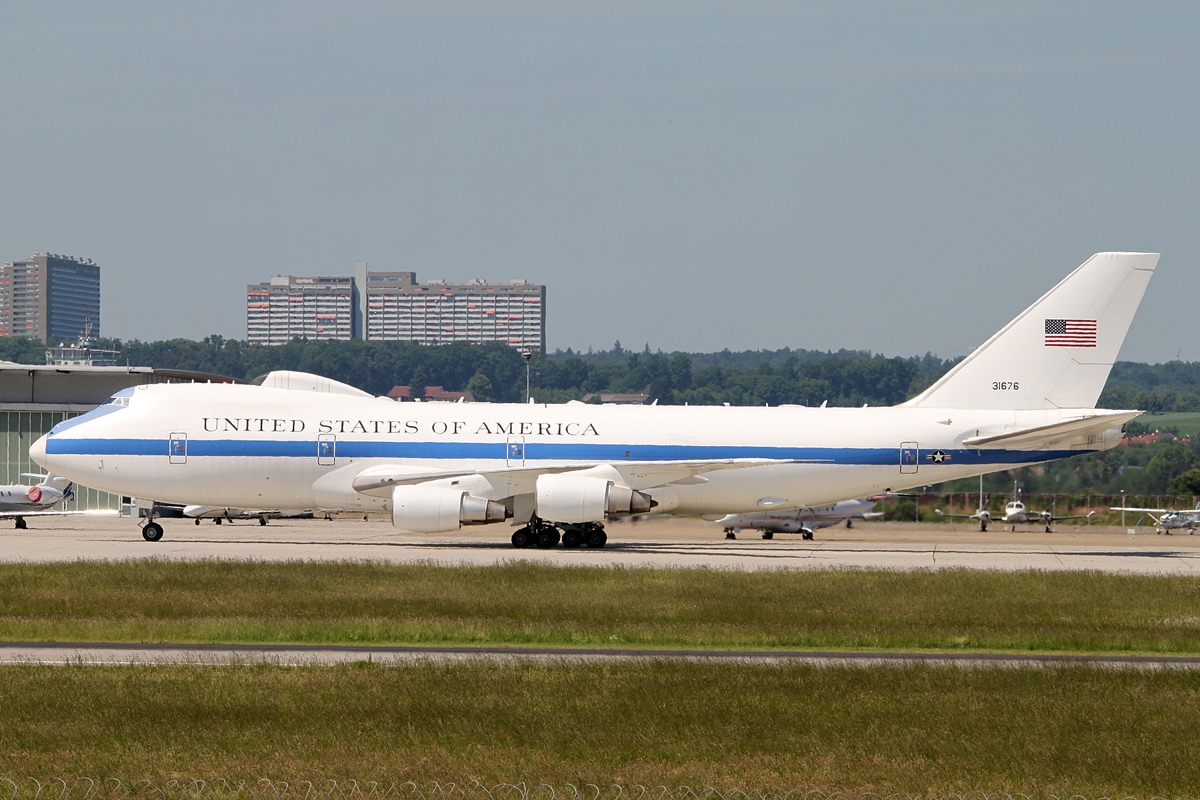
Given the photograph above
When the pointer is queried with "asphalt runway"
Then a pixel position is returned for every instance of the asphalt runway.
(661, 542)
(116, 654)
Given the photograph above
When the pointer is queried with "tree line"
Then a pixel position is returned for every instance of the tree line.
(497, 372)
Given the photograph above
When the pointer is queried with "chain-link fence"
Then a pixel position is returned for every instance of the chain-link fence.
(220, 789)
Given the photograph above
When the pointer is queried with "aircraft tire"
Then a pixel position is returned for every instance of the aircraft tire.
(152, 531)
(523, 537)
(547, 537)
(197, 520)
(807, 536)
(572, 538)
(768, 534)
(21, 524)
(596, 538)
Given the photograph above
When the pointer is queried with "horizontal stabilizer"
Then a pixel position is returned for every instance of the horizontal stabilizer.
(1043, 436)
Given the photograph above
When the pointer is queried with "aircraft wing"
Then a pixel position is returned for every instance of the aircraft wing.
(1044, 435)
(941, 513)
(1146, 510)
(1088, 515)
(635, 475)
(87, 512)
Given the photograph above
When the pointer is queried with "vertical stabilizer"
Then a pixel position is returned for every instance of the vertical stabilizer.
(1058, 352)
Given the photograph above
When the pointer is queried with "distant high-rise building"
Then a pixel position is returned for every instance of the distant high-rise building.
(50, 297)
(392, 306)
(287, 308)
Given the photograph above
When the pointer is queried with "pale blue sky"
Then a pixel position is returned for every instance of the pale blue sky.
(894, 177)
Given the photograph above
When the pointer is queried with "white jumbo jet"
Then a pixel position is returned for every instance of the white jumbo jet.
(804, 521)
(1026, 395)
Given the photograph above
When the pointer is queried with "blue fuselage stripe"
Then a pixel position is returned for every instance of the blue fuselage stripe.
(534, 451)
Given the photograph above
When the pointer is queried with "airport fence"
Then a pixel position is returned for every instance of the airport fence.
(220, 789)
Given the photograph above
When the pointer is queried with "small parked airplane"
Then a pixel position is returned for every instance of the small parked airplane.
(19, 500)
(1167, 520)
(219, 514)
(559, 471)
(1015, 513)
(798, 520)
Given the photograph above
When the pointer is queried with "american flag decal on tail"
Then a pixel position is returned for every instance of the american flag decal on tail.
(1070, 333)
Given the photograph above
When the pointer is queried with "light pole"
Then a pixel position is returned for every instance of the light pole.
(528, 356)
(1122, 508)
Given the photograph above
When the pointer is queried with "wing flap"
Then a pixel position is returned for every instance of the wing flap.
(1045, 435)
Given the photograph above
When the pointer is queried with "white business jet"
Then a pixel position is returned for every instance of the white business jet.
(19, 500)
(804, 521)
(1026, 395)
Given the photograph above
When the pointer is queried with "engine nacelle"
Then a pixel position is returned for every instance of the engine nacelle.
(585, 498)
(437, 509)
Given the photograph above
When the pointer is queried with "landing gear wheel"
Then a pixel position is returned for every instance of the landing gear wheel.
(152, 532)
(729, 534)
(547, 537)
(523, 537)
(807, 536)
(197, 520)
(768, 534)
(572, 538)
(262, 520)
(596, 538)
(20, 524)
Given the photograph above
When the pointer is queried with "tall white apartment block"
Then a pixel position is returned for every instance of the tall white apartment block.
(392, 307)
(287, 308)
(397, 308)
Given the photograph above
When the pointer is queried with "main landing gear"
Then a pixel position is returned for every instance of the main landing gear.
(152, 531)
(544, 535)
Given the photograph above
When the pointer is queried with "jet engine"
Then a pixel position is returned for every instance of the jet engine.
(437, 509)
(585, 498)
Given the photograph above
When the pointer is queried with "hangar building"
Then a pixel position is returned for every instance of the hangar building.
(34, 398)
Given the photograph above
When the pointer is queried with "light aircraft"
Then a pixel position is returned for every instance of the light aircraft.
(19, 500)
(803, 521)
(1167, 520)
(1015, 513)
(219, 514)
(295, 440)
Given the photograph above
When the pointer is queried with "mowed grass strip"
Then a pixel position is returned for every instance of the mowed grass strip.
(528, 604)
(918, 730)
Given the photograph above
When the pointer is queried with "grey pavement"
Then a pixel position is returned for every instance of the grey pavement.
(664, 542)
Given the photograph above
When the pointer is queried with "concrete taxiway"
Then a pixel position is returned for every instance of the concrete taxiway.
(662, 542)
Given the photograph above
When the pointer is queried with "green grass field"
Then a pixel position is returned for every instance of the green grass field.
(917, 730)
(911, 729)
(528, 604)
(1186, 423)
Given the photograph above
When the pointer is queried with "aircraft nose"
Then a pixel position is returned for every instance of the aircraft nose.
(37, 450)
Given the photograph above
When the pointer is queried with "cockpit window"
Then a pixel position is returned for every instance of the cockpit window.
(118, 401)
